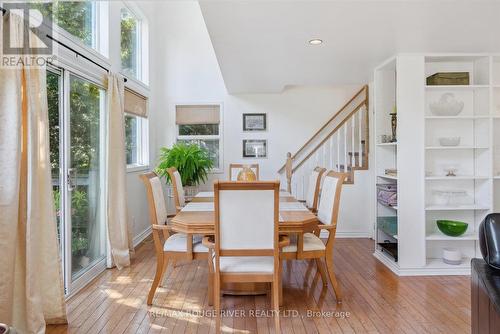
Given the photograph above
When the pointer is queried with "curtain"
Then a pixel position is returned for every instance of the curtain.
(31, 286)
(118, 231)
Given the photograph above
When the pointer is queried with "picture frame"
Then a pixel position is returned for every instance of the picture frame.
(254, 122)
(254, 148)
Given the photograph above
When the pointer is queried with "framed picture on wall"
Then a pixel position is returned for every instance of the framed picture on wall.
(254, 122)
(254, 148)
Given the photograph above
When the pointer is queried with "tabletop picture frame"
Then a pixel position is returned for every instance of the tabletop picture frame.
(254, 122)
(254, 148)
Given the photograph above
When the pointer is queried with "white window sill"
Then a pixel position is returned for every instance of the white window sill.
(137, 168)
(216, 171)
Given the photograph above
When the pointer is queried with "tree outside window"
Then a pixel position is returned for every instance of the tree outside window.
(130, 46)
(75, 17)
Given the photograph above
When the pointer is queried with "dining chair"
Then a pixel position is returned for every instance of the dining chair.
(313, 188)
(168, 246)
(246, 244)
(175, 179)
(309, 245)
(234, 169)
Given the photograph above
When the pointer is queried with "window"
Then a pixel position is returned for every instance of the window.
(79, 18)
(200, 124)
(130, 44)
(136, 130)
(136, 141)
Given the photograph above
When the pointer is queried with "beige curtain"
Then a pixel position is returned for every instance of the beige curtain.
(118, 231)
(31, 287)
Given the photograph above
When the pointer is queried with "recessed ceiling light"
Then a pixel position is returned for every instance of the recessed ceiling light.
(316, 41)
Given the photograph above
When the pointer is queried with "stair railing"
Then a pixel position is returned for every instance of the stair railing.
(341, 144)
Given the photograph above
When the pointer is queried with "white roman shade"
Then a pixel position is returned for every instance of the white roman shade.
(197, 114)
(135, 104)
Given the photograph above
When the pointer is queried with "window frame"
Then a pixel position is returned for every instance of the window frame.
(220, 136)
(142, 62)
(142, 144)
(99, 48)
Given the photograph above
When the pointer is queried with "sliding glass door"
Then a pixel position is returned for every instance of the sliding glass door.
(76, 110)
(84, 162)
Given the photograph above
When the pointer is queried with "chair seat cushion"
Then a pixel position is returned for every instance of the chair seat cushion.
(246, 264)
(178, 243)
(311, 243)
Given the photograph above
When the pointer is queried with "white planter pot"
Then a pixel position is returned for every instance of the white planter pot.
(189, 191)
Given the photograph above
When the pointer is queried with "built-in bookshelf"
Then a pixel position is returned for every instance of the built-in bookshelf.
(436, 180)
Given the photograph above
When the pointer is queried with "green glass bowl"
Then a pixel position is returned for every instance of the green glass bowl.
(452, 228)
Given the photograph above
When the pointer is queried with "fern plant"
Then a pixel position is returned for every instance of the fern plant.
(191, 160)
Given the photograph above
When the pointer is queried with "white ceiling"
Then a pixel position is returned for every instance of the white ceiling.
(262, 46)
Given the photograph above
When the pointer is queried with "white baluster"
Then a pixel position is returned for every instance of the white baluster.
(360, 137)
(353, 150)
(338, 151)
(345, 147)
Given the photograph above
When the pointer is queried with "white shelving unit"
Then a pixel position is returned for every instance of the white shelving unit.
(422, 163)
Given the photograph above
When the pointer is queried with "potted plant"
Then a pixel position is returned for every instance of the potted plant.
(191, 160)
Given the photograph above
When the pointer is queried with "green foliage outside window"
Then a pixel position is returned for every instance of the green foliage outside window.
(76, 17)
(129, 52)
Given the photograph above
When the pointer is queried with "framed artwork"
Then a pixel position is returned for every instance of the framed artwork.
(254, 148)
(254, 122)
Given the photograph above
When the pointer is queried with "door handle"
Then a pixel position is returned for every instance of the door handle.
(71, 179)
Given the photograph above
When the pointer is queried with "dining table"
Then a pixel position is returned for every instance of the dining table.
(197, 218)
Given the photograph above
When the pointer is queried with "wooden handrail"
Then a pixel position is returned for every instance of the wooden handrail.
(365, 102)
(359, 106)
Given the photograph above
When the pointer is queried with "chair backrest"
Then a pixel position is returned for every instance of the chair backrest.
(234, 169)
(246, 218)
(156, 199)
(328, 209)
(313, 188)
(176, 180)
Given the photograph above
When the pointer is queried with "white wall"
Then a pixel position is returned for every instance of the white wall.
(184, 69)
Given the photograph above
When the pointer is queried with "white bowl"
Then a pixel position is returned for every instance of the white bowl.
(452, 256)
(447, 105)
(449, 141)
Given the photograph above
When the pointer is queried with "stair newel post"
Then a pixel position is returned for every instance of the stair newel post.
(288, 169)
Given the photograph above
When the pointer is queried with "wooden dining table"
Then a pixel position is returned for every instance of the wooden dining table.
(197, 217)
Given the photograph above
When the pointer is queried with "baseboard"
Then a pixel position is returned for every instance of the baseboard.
(324, 234)
(141, 236)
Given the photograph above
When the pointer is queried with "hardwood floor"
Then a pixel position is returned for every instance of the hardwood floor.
(374, 301)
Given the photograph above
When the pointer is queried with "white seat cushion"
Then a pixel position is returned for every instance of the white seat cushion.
(246, 264)
(178, 243)
(311, 243)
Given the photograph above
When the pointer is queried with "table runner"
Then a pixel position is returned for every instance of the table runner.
(209, 206)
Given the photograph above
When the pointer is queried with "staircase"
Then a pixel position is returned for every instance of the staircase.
(340, 144)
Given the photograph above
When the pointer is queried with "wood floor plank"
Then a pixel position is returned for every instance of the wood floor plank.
(376, 300)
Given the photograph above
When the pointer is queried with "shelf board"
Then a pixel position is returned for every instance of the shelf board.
(496, 177)
(389, 177)
(458, 117)
(456, 148)
(451, 87)
(440, 236)
(456, 178)
(388, 144)
(456, 207)
(433, 263)
(388, 206)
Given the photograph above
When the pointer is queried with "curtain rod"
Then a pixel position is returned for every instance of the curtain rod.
(4, 11)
